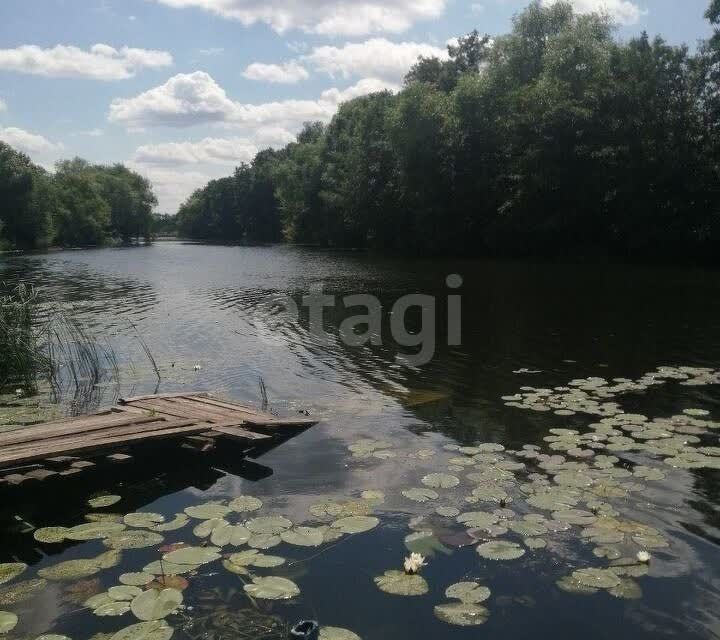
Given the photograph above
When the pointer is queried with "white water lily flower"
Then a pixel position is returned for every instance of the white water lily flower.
(643, 556)
(197, 367)
(18, 392)
(414, 563)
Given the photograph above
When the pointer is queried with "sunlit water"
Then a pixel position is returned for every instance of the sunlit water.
(200, 305)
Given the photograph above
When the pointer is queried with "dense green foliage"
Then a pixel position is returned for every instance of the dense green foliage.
(555, 138)
(79, 205)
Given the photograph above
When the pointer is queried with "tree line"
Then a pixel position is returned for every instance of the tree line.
(79, 204)
(556, 138)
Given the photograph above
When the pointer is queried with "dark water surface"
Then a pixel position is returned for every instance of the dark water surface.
(201, 305)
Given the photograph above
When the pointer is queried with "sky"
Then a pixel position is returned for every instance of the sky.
(183, 91)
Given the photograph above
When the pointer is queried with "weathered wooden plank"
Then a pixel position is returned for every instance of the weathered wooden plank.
(50, 431)
(259, 418)
(240, 433)
(186, 394)
(85, 445)
(206, 409)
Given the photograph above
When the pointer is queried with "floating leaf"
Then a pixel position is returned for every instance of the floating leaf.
(208, 511)
(264, 541)
(230, 534)
(535, 543)
(355, 524)
(178, 522)
(113, 608)
(440, 481)
(500, 550)
(158, 568)
(50, 535)
(400, 583)
(268, 524)
(154, 630)
(192, 555)
(124, 592)
(10, 570)
(447, 512)
(371, 495)
(136, 579)
(253, 558)
(143, 520)
(420, 495)
(8, 621)
(477, 519)
(155, 605)
(21, 591)
(272, 588)
(596, 578)
(627, 589)
(103, 501)
(336, 633)
(462, 614)
(51, 636)
(468, 592)
(243, 504)
(206, 527)
(304, 536)
(71, 569)
(133, 540)
(94, 530)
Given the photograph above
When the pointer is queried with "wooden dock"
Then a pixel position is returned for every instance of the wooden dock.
(143, 419)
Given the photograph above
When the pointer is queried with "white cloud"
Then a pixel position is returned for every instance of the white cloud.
(287, 73)
(376, 57)
(27, 142)
(100, 62)
(623, 11)
(91, 133)
(3, 105)
(193, 99)
(230, 151)
(171, 186)
(326, 17)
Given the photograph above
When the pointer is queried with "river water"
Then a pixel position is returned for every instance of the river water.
(203, 312)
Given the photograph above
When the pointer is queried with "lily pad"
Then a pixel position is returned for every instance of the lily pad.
(304, 536)
(11, 570)
(208, 511)
(112, 608)
(154, 630)
(253, 558)
(243, 504)
(477, 519)
(178, 522)
(193, 555)
(264, 541)
(8, 621)
(155, 605)
(143, 520)
(462, 614)
(133, 539)
(420, 495)
(272, 588)
(21, 591)
(500, 550)
(440, 481)
(269, 524)
(124, 592)
(103, 501)
(94, 530)
(168, 568)
(468, 592)
(230, 534)
(399, 583)
(355, 524)
(596, 578)
(50, 535)
(336, 633)
(206, 527)
(137, 579)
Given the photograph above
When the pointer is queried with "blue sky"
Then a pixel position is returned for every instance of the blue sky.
(184, 90)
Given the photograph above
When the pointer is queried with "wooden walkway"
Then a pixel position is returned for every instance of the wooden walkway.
(143, 419)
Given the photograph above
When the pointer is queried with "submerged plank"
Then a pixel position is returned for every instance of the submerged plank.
(240, 433)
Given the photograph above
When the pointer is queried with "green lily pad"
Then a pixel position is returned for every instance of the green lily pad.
(243, 504)
(535, 543)
(154, 630)
(468, 592)
(72, 569)
(596, 578)
(264, 541)
(21, 591)
(52, 636)
(462, 614)
(304, 536)
(272, 588)
(371, 495)
(143, 520)
(440, 481)
(447, 512)
(192, 555)
(336, 633)
(158, 568)
(230, 534)
(113, 608)
(124, 592)
(50, 535)
(155, 605)
(178, 522)
(137, 579)
(269, 524)
(11, 570)
(253, 558)
(133, 539)
(103, 501)
(94, 530)
(570, 585)
(477, 519)
(8, 621)
(355, 524)
(500, 550)
(420, 495)
(628, 589)
(206, 527)
(208, 511)
(98, 600)
(399, 583)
